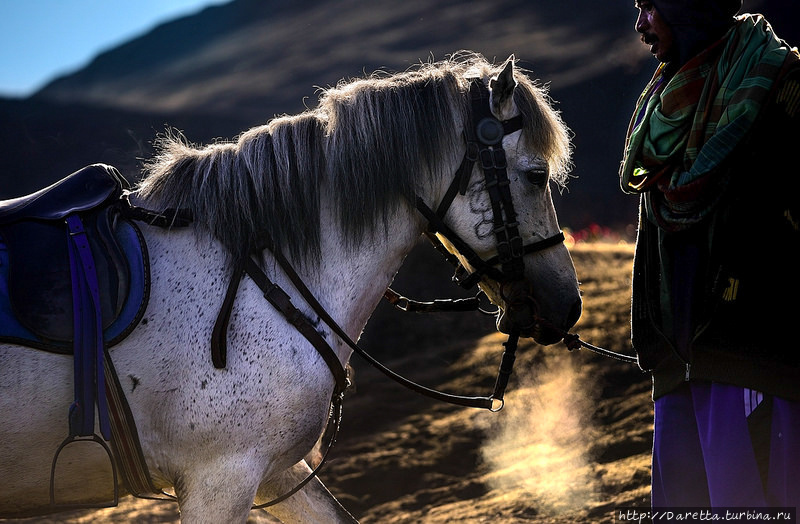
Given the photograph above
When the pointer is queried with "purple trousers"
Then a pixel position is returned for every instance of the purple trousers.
(717, 445)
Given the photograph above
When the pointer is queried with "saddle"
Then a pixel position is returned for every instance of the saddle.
(36, 286)
(75, 279)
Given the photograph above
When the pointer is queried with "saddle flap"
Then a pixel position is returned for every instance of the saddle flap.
(39, 280)
(35, 276)
(36, 302)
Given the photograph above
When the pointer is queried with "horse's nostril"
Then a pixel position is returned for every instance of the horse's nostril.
(574, 313)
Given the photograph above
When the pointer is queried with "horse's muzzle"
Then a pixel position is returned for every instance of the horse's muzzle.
(521, 314)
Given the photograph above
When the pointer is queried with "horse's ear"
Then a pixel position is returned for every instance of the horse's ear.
(503, 87)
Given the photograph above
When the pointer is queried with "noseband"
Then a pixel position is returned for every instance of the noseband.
(484, 141)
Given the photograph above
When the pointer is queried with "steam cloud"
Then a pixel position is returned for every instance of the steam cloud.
(540, 443)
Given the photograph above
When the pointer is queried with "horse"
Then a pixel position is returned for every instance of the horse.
(334, 188)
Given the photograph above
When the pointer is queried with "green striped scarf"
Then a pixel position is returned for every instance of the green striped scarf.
(684, 128)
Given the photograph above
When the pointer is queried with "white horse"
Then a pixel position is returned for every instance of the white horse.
(335, 188)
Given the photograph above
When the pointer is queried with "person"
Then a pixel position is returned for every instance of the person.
(711, 153)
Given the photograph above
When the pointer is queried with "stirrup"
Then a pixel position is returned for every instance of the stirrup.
(72, 439)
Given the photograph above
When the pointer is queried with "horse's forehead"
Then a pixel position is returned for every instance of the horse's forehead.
(524, 158)
(519, 152)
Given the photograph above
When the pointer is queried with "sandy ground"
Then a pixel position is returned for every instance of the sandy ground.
(572, 444)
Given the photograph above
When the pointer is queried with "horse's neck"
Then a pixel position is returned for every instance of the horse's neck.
(350, 282)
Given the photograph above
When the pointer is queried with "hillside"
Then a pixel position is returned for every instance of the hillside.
(237, 65)
(259, 58)
(232, 66)
(580, 443)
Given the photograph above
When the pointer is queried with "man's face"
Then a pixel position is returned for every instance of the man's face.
(655, 31)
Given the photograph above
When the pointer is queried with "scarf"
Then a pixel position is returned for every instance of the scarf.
(685, 127)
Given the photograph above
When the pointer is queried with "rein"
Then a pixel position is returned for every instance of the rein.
(492, 402)
(282, 302)
(573, 342)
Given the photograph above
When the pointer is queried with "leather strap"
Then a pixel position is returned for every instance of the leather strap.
(437, 225)
(331, 432)
(440, 304)
(219, 335)
(166, 219)
(90, 387)
(283, 303)
(483, 136)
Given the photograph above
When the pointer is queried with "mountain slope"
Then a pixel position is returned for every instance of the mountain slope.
(232, 66)
(267, 56)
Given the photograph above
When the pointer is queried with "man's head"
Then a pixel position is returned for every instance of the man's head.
(655, 31)
(676, 30)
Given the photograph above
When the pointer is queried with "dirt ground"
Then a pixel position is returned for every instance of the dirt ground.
(571, 445)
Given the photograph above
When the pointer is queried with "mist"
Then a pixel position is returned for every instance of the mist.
(541, 440)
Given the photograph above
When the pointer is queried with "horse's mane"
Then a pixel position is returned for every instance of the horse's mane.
(371, 143)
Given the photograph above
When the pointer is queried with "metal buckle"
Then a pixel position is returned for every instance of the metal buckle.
(517, 247)
(493, 158)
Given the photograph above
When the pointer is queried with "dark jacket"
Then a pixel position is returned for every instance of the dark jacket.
(720, 301)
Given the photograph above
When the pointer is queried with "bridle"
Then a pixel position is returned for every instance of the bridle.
(484, 137)
(484, 140)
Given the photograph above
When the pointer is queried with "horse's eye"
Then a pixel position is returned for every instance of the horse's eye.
(537, 176)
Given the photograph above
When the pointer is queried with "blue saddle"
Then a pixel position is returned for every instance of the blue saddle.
(36, 289)
(74, 279)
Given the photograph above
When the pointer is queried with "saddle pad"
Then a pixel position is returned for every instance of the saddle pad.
(116, 326)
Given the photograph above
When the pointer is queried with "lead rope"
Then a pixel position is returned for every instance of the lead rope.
(573, 342)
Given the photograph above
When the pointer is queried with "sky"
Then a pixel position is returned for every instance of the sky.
(43, 39)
